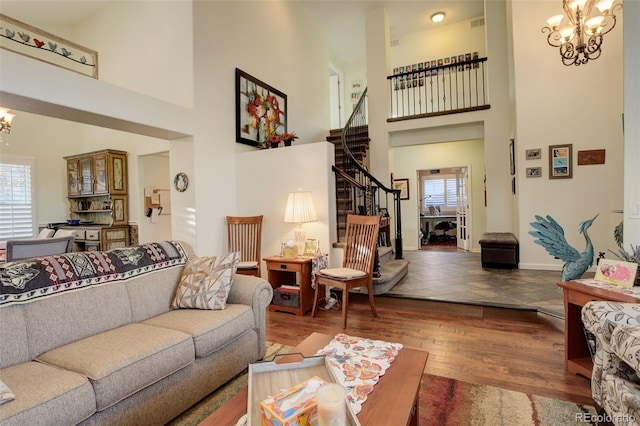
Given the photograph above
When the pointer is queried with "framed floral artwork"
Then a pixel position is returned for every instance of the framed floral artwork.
(261, 110)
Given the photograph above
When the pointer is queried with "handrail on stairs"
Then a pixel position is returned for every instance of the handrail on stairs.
(357, 176)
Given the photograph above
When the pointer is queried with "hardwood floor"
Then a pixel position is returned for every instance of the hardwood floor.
(524, 354)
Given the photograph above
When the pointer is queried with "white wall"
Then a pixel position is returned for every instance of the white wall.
(143, 46)
(409, 159)
(443, 41)
(264, 179)
(291, 55)
(558, 104)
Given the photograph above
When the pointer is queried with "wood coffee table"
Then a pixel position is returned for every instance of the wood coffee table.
(394, 400)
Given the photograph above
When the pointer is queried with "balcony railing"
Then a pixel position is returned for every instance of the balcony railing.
(447, 89)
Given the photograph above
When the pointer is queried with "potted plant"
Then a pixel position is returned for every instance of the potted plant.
(288, 138)
(274, 140)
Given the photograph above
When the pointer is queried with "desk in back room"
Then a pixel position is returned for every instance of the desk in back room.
(430, 220)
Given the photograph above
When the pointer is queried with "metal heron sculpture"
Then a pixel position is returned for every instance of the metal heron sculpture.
(550, 235)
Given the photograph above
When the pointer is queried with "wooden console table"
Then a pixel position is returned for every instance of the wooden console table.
(577, 358)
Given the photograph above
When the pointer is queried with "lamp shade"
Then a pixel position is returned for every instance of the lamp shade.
(300, 208)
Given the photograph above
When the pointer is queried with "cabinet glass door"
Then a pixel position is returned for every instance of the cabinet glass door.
(73, 179)
(100, 173)
(86, 187)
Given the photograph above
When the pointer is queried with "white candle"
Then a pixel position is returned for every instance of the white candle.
(332, 409)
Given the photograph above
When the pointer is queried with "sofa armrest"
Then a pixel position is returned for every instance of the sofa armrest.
(601, 319)
(625, 343)
(257, 293)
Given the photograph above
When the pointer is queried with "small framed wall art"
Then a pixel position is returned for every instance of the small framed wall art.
(592, 156)
(560, 161)
(533, 154)
(181, 182)
(534, 172)
(403, 186)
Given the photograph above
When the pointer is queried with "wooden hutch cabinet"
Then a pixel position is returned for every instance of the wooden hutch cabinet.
(97, 193)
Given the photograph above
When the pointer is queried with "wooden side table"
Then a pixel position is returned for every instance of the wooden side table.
(296, 271)
(577, 358)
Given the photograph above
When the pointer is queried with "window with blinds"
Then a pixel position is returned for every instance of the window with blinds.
(440, 191)
(17, 216)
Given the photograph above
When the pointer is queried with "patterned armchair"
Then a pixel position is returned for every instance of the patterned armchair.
(613, 333)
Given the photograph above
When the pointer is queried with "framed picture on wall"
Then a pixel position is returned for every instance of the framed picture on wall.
(560, 165)
(534, 172)
(403, 186)
(261, 110)
(533, 154)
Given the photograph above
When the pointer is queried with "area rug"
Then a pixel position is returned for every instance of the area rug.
(452, 402)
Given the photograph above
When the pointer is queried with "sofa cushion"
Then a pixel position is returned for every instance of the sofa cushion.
(60, 320)
(13, 335)
(211, 330)
(206, 282)
(122, 361)
(46, 395)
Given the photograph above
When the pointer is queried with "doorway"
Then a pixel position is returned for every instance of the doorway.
(444, 209)
(154, 177)
(336, 96)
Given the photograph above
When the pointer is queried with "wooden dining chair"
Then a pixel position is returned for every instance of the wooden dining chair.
(361, 241)
(245, 235)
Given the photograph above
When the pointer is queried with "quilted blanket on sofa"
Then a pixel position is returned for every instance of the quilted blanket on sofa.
(26, 280)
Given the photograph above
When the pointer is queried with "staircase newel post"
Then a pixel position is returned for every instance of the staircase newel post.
(396, 200)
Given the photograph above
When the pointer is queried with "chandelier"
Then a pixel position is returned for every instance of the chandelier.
(581, 39)
(5, 125)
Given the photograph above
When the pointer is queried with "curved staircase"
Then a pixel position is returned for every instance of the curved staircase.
(357, 192)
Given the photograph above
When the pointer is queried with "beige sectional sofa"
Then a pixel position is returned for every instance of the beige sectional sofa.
(104, 347)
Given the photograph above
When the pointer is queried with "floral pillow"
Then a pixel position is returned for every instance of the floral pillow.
(206, 282)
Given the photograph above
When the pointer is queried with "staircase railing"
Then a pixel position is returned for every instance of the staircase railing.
(359, 191)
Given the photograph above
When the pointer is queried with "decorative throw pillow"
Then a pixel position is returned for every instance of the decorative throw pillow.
(206, 282)
(5, 393)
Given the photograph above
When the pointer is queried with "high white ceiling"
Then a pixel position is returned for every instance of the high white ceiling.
(344, 19)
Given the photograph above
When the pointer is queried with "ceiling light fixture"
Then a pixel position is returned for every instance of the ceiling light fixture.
(581, 39)
(438, 17)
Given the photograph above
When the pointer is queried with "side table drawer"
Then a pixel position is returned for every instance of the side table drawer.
(284, 266)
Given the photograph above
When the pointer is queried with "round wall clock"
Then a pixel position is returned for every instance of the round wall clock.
(181, 182)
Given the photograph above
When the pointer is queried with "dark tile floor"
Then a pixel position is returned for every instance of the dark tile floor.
(457, 276)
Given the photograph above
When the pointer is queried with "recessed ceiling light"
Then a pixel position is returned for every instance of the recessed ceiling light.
(437, 17)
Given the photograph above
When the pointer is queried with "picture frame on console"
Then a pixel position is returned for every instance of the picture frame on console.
(261, 110)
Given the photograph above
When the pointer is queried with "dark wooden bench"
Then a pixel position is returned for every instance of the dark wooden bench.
(499, 249)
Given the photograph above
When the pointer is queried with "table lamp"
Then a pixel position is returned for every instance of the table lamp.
(300, 209)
